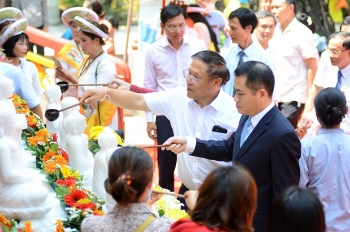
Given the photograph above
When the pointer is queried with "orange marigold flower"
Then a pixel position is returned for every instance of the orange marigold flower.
(22, 111)
(72, 198)
(27, 227)
(35, 140)
(60, 160)
(98, 213)
(49, 155)
(43, 133)
(50, 166)
(4, 221)
(59, 226)
(31, 120)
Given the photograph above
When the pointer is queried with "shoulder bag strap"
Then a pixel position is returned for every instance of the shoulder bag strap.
(146, 223)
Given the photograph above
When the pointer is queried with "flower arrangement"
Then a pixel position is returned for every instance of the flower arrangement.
(11, 226)
(66, 181)
(94, 133)
(169, 206)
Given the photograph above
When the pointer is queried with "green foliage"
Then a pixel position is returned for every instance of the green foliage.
(66, 4)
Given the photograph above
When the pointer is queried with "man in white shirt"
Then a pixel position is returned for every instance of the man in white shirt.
(265, 28)
(265, 5)
(334, 60)
(202, 110)
(242, 23)
(295, 42)
(164, 63)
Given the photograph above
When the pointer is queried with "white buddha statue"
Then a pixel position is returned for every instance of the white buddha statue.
(6, 91)
(77, 147)
(106, 140)
(21, 196)
(53, 95)
(66, 102)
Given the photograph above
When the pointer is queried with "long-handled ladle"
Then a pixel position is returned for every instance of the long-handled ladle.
(64, 85)
(53, 114)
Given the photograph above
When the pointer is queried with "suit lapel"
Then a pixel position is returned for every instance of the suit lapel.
(254, 135)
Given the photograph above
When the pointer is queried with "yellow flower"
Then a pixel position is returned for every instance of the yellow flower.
(84, 201)
(66, 171)
(95, 132)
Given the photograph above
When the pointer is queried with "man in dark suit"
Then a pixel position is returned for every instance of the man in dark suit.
(265, 141)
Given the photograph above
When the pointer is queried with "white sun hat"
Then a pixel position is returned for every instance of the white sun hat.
(10, 14)
(16, 28)
(87, 14)
(88, 27)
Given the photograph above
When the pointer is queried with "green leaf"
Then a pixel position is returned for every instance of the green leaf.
(54, 147)
(4, 228)
(61, 191)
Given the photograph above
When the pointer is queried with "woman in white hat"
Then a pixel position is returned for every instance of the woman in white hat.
(71, 56)
(97, 68)
(15, 44)
(8, 15)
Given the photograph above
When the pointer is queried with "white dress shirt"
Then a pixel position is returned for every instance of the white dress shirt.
(253, 52)
(325, 170)
(164, 65)
(187, 118)
(327, 76)
(32, 76)
(296, 43)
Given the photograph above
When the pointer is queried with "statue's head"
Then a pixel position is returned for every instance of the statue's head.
(53, 93)
(7, 116)
(107, 138)
(75, 123)
(68, 101)
(6, 87)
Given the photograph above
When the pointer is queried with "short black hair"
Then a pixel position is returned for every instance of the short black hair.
(258, 75)
(296, 209)
(10, 44)
(216, 65)
(170, 11)
(330, 106)
(264, 14)
(345, 22)
(294, 2)
(245, 17)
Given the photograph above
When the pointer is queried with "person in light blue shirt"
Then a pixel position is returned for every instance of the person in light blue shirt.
(242, 23)
(325, 159)
(22, 87)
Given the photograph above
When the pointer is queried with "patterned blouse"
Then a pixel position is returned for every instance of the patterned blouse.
(125, 219)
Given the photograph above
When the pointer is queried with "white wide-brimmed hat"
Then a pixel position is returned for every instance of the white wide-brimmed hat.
(16, 28)
(10, 14)
(88, 27)
(87, 14)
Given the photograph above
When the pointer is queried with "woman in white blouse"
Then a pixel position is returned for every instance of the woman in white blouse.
(15, 44)
(325, 159)
(97, 68)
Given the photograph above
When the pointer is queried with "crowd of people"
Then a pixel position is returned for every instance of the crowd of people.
(259, 122)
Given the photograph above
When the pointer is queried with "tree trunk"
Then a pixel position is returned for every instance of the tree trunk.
(5, 3)
(318, 11)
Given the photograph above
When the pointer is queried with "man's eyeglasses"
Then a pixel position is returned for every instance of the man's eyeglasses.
(335, 51)
(173, 28)
(193, 79)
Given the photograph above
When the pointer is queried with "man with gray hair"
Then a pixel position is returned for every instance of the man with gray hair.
(265, 28)
(335, 75)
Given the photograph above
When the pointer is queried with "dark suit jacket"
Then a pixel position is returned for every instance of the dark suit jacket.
(270, 152)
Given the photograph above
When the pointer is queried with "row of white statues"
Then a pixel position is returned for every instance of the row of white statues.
(20, 196)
